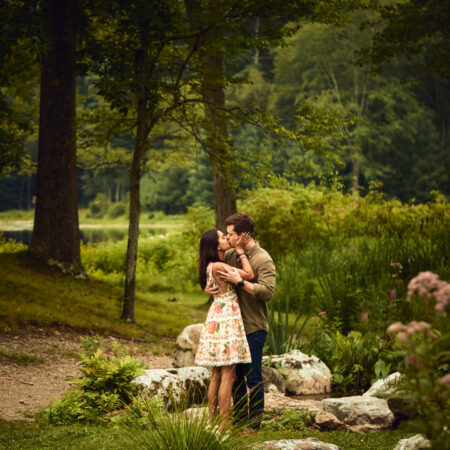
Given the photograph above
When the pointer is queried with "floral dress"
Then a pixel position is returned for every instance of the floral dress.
(223, 341)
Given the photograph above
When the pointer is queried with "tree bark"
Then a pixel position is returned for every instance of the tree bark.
(142, 131)
(211, 79)
(56, 236)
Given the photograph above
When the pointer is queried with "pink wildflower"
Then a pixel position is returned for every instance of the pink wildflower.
(322, 314)
(396, 327)
(393, 294)
(445, 380)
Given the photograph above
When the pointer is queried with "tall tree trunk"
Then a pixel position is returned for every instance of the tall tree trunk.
(211, 76)
(56, 236)
(142, 62)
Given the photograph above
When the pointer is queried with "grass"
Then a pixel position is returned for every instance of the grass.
(20, 435)
(20, 358)
(153, 219)
(33, 294)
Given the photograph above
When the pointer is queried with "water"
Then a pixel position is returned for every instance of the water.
(92, 235)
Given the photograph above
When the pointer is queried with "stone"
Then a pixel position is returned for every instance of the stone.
(277, 400)
(186, 346)
(361, 413)
(413, 443)
(300, 444)
(386, 386)
(271, 376)
(304, 374)
(186, 384)
(327, 421)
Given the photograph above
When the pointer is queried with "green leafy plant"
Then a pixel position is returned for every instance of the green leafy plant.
(103, 387)
(425, 347)
(283, 337)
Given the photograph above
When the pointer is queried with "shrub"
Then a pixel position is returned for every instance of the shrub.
(10, 245)
(425, 345)
(98, 207)
(103, 387)
(116, 210)
(355, 360)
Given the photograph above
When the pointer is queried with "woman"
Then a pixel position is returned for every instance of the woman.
(223, 343)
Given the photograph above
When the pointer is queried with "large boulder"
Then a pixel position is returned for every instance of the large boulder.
(300, 444)
(413, 443)
(187, 384)
(386, 386)
(402, 409)
(304, 374)
(271, 377)
(361, 413)
(186, 346)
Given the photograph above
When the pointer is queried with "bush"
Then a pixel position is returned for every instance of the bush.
(355, 360)
(425, 347)
(98, 207)
(116, 210)
(10, 245)
(103, 387)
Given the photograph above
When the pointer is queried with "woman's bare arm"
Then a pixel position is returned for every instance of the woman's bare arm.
(246, 272)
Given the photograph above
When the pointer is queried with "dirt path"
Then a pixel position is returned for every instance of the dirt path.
(27, 387)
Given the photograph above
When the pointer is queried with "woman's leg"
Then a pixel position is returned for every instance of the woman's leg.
(213, 391)
(225, 389)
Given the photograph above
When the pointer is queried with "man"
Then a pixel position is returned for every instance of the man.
(253, 298)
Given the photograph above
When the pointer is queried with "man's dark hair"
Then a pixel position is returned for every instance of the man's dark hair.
(242, 222)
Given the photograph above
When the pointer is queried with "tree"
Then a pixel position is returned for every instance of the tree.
(140, 60)
(55, 233)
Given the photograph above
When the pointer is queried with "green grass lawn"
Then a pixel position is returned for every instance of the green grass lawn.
(33, 294)
(25, 435)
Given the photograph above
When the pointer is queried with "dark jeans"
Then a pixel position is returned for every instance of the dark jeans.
(248, 389)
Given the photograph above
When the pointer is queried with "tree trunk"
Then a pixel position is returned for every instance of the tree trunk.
(211, 76)
(142, 131)
(56, 236)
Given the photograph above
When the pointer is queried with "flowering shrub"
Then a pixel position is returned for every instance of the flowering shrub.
(425, 347)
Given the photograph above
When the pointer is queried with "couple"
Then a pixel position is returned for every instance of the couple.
(241, 277)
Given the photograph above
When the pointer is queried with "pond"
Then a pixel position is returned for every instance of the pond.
(92, 235)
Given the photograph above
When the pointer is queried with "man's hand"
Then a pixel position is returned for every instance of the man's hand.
(229, 275)
(210, 289)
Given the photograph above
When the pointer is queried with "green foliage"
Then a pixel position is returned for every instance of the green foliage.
(424, 345)
(355, 360)
(150, 426)
(282, 336)
(99, 206)
(20, 358)
(287, 420)
(116, 210)
(103, 387)
(10, 245)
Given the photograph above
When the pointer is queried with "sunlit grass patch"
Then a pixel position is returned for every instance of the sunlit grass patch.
(31, 293)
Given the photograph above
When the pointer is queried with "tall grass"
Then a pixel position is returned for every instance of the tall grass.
(362, 276)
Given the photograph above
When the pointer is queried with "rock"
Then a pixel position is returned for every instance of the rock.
(277, 400)
(300, 444)
(361, 413)
(327, 421)
(401, 409)
(304, 374)
(186, 346)
(271, 376)
(188, 384)
(413, 443)
(384, 387)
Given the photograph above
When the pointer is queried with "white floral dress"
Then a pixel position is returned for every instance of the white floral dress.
(223, 341)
